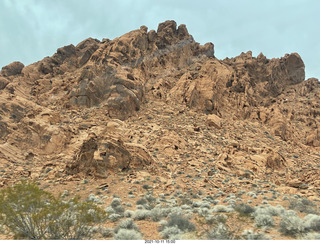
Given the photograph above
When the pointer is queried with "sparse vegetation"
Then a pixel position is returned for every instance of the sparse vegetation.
(142, 214)
(311, 222)
(128, 213)
(311, 236)
(124, 234)
(156, 214)
(291, 224)
(244, 209)
(175, 227)
(222, 209)
(127, 224)
(31, 213)
(219, 232)
(251, 235)
(264, 220)
(302, 205)
(171, 233)
(181, 222)
(127, 230)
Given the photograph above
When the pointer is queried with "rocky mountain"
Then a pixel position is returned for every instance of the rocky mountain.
(158, 105)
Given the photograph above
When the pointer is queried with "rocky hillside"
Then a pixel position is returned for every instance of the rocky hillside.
(158, 105)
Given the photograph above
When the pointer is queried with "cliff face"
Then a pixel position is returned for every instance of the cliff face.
(151, 97)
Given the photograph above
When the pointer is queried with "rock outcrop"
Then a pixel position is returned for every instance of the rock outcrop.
(159, 101)
(14, 68)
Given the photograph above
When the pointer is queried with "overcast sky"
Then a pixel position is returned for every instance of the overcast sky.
(33, 29)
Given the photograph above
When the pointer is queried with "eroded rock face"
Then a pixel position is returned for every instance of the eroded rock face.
(241, 82)
(106, 106)
(14, 68)
(98, 156)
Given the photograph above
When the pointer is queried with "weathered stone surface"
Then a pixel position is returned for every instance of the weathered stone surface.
(156, 105)
(14, 68)
(3, 83)
(214, 120)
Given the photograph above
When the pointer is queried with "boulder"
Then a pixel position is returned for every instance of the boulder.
(14, 68)
(3, 83)
(214, 121)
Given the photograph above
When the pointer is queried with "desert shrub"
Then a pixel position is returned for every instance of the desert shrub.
(205, 205)
(251, 235)
(278, 210)
(146, 187)
(185, 207)
(222, 209)
(140, 207)
(203, 212)
(165, 212)
(114, 217)
(175, 211)
(74, 219)
(264, 220)
(91, 198)
(291, 224)
(162, 224)
(31, 213)
(219, 232)
(2, 229)
(128, 213)
(185, 200)
(303, 205)
(142, 214)
(244, 209)
(156, 214)
(269, 210)
(171, 233)
(141, 201)
(181, 222)
(116, 206)
(124, 234)
(109, 210)
(215, 202)
(311, 236)
(148, 201)
(312, 222)
(127, 230)
(119, 209)
(216, 219)
(196, 204)
(232, 202)
(106, 232)
(115, 202)
(126, 224)
(252, 194)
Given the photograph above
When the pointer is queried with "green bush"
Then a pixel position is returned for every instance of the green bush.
(31, 213)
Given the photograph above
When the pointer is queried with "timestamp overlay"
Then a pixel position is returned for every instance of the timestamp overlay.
(160, 241)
